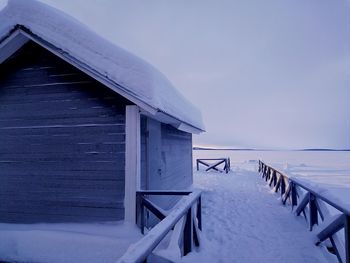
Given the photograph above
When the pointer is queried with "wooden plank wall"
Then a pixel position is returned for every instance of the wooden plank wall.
(176, 157)
(62, 142)
(166, 157)
(176, 162)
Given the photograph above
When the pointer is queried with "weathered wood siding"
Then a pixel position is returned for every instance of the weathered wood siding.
(176, 157)
(166, 156)
(62, 142)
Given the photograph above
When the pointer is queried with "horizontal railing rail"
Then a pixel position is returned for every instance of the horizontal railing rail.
(185, 217)
(313, 206)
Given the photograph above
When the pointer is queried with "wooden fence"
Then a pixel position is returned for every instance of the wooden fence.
(313, 206)
(185, 219)
(215, 166)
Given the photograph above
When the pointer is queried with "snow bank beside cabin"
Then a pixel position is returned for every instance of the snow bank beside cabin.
(132, 75)
(69, 242)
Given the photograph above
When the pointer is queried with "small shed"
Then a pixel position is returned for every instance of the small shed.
(84, 124)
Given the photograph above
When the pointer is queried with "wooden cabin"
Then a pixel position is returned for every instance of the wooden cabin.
(84, 124)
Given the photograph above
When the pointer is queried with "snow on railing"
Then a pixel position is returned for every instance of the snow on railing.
(313, 206)
(184, 219)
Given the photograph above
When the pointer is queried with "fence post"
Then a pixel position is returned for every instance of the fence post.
(139, 210)
(278, 184)
(294, 194)
(142, 217)
(197, 165)
(188, 232)
(226, 166)
(199, 212)
(313, 215)
(283, 185)
(273, 180)
(263, 170)
(347, 238)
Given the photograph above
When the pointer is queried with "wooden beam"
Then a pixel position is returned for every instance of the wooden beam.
(294, 194)
(157, 211)
(188, 232)
(331, 228)
(144, 247)
(200, 161)
(301, 207)
(313, 214)
(163, 192)
(347, 238)
(132, 161)
(10, 45)
(215, 165)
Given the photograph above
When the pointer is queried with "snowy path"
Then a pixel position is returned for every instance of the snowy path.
(243, 221)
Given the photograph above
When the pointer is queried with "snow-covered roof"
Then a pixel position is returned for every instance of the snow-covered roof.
(117, 68)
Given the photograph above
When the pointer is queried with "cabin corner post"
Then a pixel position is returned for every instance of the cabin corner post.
(132, 161)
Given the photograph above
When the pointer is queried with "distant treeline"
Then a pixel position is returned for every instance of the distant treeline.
(250, 149)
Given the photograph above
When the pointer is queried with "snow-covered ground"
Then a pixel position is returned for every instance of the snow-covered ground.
(245, 222)
(64, 243)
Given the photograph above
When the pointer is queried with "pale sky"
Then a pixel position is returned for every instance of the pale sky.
(266, 74)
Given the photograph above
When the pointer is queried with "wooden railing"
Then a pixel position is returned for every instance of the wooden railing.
(184, 219)
(215, 166)
(313, 206)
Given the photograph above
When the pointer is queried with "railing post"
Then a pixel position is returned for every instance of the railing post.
(283, 186)
(197, 164)
(313, 215)
(139, 211)
(199, 212)
(142, 216)
(294, 195)
(265, 172)
(188, 232)
(273, 180)
(347, 238)
(279, 181)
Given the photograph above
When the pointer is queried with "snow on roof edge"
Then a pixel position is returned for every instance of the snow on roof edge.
(136, 76)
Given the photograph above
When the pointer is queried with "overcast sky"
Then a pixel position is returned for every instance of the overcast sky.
(267, 74)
